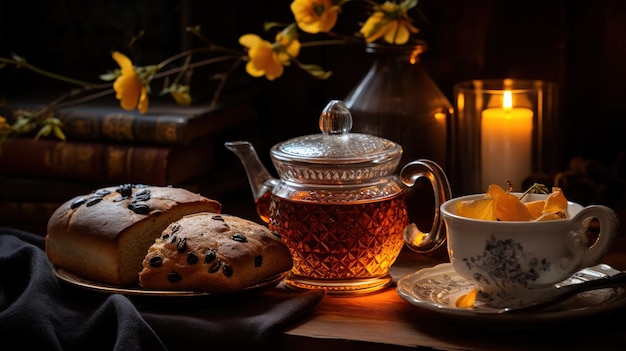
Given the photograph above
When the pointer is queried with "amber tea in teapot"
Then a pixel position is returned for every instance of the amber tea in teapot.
(335, 241)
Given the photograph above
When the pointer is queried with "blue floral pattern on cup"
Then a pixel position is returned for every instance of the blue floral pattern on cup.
(509, 264)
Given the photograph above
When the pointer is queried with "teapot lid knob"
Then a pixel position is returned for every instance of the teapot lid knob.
(335, 118)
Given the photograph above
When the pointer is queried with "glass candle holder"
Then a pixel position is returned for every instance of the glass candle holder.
(503, 133)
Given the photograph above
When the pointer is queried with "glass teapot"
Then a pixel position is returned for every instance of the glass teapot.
(339, 206)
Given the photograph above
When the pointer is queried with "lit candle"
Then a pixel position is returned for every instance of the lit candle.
(506, 148)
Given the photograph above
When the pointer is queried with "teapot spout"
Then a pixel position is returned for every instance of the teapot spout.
(260, 180)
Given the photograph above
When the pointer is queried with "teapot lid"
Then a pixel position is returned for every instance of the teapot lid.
(336, 155)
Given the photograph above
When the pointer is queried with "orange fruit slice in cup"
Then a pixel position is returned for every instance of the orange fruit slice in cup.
(508, 207)
(500, 205)
(477, 209)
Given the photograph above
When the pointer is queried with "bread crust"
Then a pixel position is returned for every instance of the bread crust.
(214, 253)
(103, 236)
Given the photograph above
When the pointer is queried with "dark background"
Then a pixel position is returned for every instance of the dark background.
(581, 45)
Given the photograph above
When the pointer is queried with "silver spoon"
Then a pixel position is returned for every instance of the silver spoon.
(561, 292)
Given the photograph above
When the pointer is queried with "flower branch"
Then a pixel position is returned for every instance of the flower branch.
(20, 62)
(132, 84)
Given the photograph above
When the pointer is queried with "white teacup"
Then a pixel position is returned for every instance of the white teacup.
(513, 263)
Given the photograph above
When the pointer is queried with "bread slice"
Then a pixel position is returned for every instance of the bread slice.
(104, 236)
(214, 253)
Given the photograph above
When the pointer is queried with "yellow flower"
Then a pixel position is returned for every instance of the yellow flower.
(391, 22)
(267, 59)
(286, 45)
(315, 16)
(128, 87)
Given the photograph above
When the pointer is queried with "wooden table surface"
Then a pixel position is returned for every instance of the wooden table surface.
(385, 321)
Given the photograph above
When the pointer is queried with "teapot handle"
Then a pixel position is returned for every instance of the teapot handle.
(415, 239)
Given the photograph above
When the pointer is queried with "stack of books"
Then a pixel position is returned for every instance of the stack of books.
(107, 146)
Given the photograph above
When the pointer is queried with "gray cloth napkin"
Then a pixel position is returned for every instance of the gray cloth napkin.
(38, 312)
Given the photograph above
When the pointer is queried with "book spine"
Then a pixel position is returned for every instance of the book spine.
(163, 125)
(99, 162)
(86, 124)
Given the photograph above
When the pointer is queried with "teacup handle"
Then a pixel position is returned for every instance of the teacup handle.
(415, 239)
(608, 229)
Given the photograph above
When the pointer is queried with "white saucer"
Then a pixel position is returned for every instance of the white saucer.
(437, 289)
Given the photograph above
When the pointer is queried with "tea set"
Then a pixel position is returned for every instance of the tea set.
(339, 205)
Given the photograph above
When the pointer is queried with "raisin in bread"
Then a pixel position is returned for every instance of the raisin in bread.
(104, 236)
(214, 253)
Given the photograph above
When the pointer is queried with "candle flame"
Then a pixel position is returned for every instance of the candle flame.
(507, 100)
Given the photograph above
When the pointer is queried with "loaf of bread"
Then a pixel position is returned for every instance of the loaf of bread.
(214, 253)
(104, 236)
